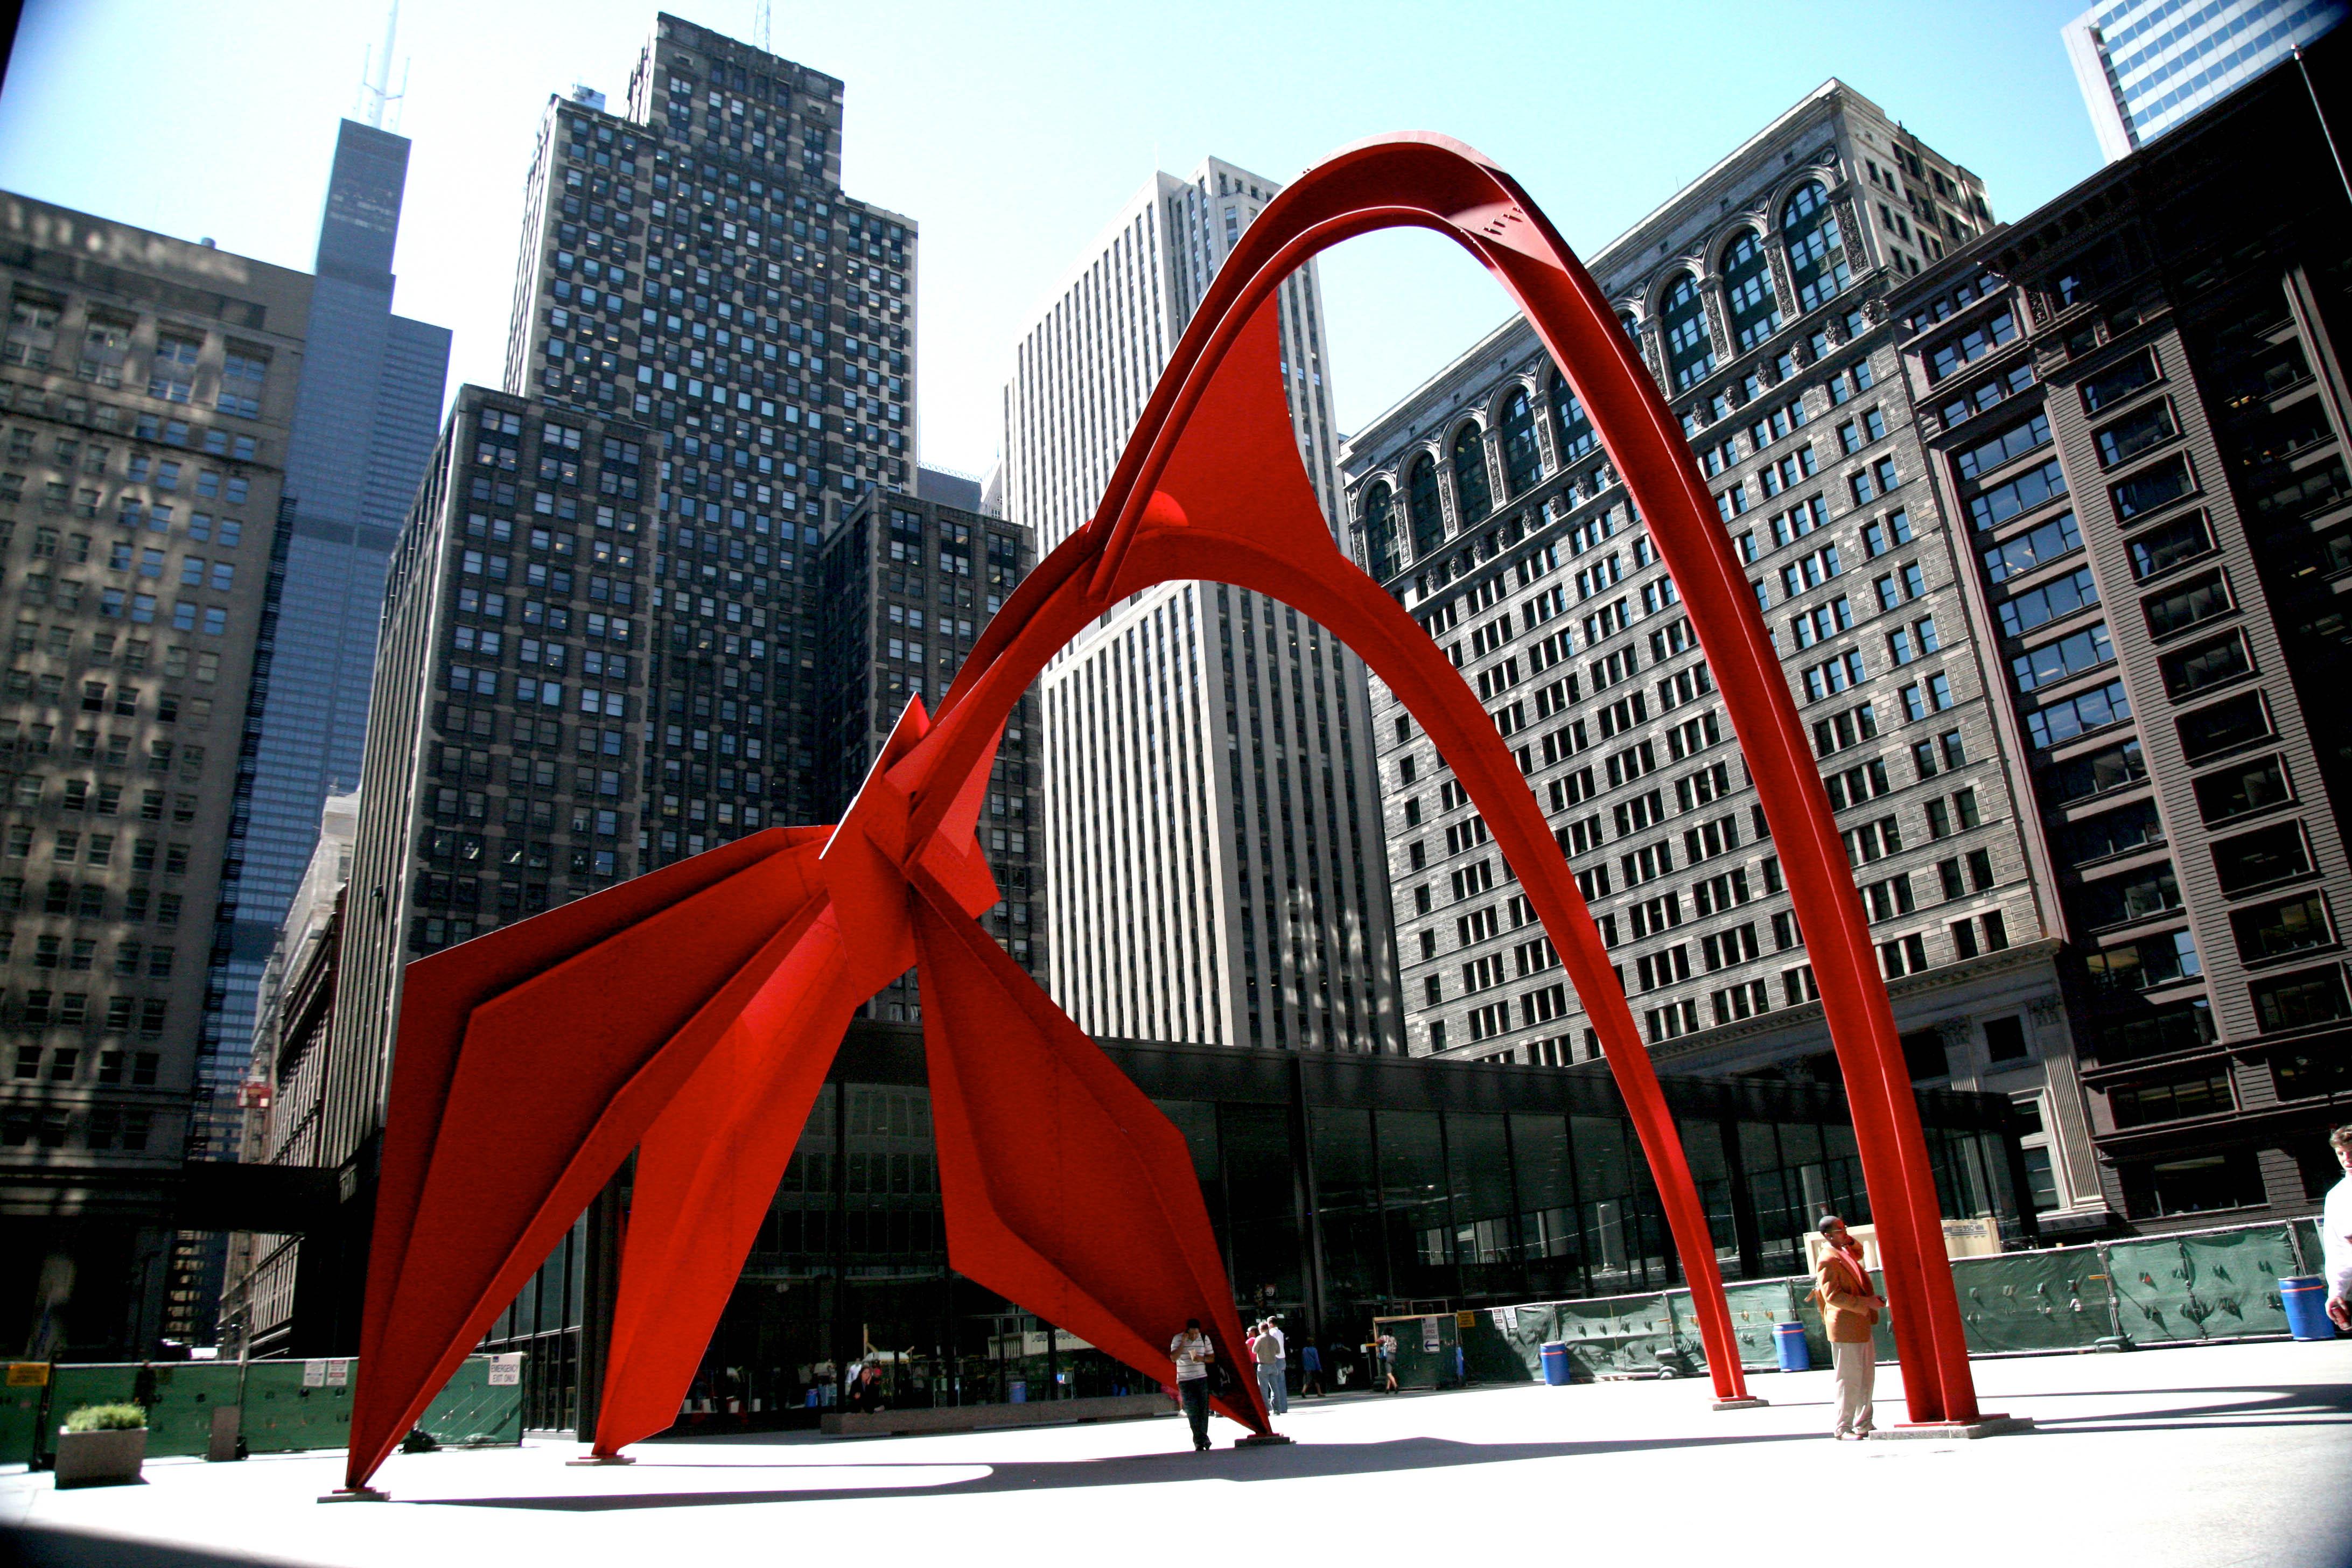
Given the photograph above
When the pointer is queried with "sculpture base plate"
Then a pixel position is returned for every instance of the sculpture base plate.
(356, 1494)
(1261, 1440)
(1992, 1425)
(1744, 1402)
(603, 1460)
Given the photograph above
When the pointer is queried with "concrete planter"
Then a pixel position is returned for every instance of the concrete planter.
(100, 1459)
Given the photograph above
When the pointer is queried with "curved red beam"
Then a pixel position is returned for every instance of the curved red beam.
(1063, 1188)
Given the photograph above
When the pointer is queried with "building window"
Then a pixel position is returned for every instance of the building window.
(1569, 421)
(2202, 1092)
(1690, 345)
(2156, 1189)
(2300, 1000)
(173, 373)
(1473, 496)
(1522, 464)
(2040, 1180)
(1421, 505)
(1817, 263)
(1379, 533)
(1747, 282)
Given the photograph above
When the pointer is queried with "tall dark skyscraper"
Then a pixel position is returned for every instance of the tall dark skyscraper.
(601, 646)
(2135, 395)
(365, 415)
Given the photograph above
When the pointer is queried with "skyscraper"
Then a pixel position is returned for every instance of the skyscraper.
(905, 583)
(1208, 781)
(2135, 397)
(365, 417)
(1756, 297)
(150, 394)
(600, 645)
(2145, 65)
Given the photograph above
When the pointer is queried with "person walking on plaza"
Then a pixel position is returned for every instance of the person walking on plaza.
(1272, 1368)
(2335, 1232)
(1388, 1362)
(1850, 1309)
(1193, 1352)
(1310, 1371)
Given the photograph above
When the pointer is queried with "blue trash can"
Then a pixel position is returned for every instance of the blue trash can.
(1555, 1363)
(1789, 1344)
(2305, 1296)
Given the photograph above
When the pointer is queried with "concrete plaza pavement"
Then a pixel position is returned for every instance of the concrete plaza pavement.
(2196, 1458)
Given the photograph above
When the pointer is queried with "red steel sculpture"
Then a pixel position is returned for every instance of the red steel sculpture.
(691, 1014)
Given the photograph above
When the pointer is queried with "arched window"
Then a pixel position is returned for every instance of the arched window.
(1632, 327)
(1522, 464)
(1421, 503)
(1471, 491)
(1817, 264)
(1379, 533)
(1575, 431)
(1690, 348)
(1747, 280)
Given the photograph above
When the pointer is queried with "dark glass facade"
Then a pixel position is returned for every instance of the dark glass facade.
(2137, 394)
(1342, 1187)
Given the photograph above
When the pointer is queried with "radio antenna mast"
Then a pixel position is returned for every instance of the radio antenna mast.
(375, 82)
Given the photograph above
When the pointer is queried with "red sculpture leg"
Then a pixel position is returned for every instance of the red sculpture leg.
(1064, 1188)
(1429, 182)
(709, 1169)
(707, 1175)
(624, 996)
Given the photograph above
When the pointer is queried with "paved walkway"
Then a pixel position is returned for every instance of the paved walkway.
(2200, 1458)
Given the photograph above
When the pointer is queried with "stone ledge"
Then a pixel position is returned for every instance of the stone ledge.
(980, 1417)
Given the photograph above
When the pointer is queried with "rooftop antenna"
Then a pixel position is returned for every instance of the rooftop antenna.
(759, 9)
(375, 82)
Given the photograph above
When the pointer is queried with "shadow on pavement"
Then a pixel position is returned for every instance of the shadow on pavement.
(2294, 1404)
(1299, 1461)
(22, 1548)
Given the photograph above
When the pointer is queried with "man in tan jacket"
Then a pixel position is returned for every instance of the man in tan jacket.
(1850, 1309)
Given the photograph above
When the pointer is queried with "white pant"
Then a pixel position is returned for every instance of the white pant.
(1857, 1366)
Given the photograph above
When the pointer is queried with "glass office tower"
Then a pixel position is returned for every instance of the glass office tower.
(365, 415)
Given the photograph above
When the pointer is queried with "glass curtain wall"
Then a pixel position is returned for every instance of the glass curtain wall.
(1337, 1193)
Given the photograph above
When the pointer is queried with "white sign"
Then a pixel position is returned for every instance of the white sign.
(339, 1374)
(1507, 1318)
(314, 1375)
(1429, 1341)
(506, 1371)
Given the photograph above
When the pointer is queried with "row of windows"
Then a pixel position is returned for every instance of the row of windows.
(107, 341)
(107, 418)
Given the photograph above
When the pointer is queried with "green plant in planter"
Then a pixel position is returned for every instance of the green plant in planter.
(107, 1418)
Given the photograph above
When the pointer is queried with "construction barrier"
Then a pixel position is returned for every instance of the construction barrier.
(2193, 1287)
(283, 1405)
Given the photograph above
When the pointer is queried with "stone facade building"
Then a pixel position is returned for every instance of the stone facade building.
(1208, 777)
(147, 390)
(1486, 505)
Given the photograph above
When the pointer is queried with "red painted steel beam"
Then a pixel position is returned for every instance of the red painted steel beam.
(1063, 1186)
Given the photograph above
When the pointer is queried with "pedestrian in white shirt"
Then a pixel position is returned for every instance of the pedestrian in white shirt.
(1193, 1352)
(2335, 1232)
(1270, 1352)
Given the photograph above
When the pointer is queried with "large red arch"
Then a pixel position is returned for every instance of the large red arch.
(1063, 1187)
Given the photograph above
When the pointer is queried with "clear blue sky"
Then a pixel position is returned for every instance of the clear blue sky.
(1011, 133)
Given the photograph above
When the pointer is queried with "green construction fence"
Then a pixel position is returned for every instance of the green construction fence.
(2196, 1286)
(285, 1404)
